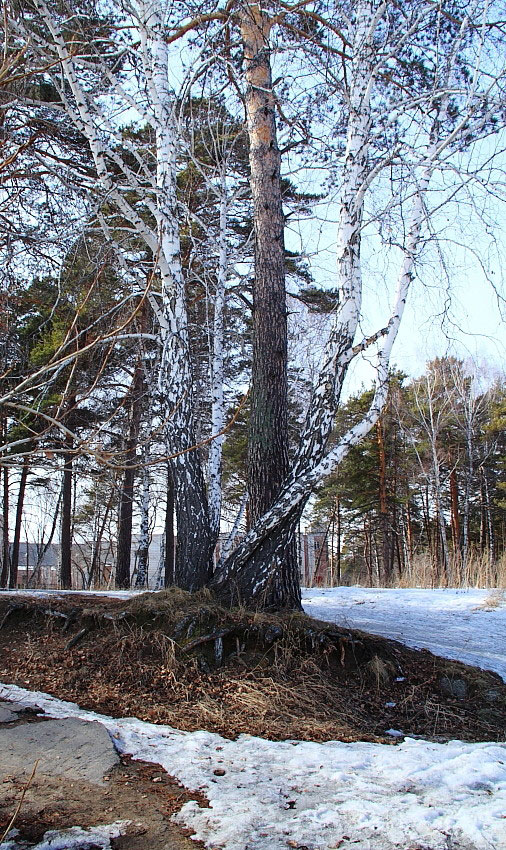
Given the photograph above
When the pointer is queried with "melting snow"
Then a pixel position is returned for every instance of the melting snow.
(74, 838)
(455, 624)
(266, 795)
(275, 795)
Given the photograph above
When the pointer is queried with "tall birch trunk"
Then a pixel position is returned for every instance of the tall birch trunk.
(141, 578)
(157, 107)
(66, 518)
(217, 370)
(169, 547)
(195, 537)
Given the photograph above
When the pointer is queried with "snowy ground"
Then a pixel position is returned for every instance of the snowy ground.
(74, 838)
(456, 624)
(268, 795)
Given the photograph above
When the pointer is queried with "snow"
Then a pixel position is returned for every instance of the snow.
(455, 624)
(266, 795)
(113, 594)
(74, 838)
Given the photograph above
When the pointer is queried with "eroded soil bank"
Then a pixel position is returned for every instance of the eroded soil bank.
(182, 660)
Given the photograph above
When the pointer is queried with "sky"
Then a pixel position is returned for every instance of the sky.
(456, 304)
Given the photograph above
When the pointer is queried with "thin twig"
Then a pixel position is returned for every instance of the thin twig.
(18, 807)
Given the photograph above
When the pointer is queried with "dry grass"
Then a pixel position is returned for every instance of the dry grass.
(495, 599)
(279, 677)
(479, 572)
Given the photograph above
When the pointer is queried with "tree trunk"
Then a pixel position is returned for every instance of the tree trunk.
(66, 519)
(141, 579)
(97, 550)
(490, 522)
(14, 558)
(262, 579)
(268, 576)
(275, 582)
(169, 533)
(217, 365)
(34, 579)
(338, 559)
(483, 515)
(409, 531)
(268, 435)
(455, 523)
(383, 507)
(466, 536)
(124, 551)
(5, 530)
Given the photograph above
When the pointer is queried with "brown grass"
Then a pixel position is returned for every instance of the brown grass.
(280, 676)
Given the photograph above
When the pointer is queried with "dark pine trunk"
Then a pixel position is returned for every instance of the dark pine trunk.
(14, 559)
(384, 519)
(268, 440)
(273, 565)
(4, 579)
(169, 534)
(66, 519)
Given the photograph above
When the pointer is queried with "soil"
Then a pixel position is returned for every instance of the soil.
(183, 660)
(140, 793)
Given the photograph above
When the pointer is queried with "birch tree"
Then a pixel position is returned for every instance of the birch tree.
(152, 217)
(416, 86)
(447, 103)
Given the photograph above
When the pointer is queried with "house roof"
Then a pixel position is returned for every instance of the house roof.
(29, 554)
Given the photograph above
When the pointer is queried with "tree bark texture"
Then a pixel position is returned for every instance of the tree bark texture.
(169, 533)
(263, 581)
(384, 519)
(268, 436)
(271, 577)
(141, 579)
(66, 520)
(5, 530)
(124, 551)
(14, 557)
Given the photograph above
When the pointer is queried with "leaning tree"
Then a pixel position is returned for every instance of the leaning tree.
(403, 96)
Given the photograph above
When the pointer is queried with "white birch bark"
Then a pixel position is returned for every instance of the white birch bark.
(338, 353)
(143, 546)
(372, 42)
(158, 195)
(217, 367)
(298, 487)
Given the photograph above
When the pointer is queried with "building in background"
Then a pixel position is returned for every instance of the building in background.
(93, 567)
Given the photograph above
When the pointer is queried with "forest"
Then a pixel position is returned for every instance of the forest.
(176, 348)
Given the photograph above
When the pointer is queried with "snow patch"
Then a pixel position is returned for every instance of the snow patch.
(273, 795)
(73, 838)
(450, 623)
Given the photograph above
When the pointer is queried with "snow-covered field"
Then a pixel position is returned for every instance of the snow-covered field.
(458, 624)
(268, 795)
